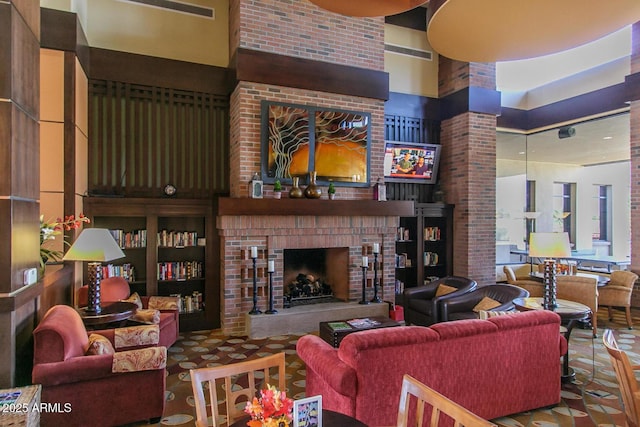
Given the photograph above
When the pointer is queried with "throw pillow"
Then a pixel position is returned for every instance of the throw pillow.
(163, 303)
(148, 316)
(484, 314)
(99, 344)
(444, 290)
(486, 303)
(134, 298)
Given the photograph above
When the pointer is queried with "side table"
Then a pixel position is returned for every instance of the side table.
(20, 406)
(570, 314)
(112, 312)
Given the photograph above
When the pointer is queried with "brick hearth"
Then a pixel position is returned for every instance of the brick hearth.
(355, 225)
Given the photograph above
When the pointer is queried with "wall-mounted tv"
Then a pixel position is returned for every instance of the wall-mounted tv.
(411, 162)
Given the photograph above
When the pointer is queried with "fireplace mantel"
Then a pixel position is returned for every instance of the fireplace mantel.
(317, 207)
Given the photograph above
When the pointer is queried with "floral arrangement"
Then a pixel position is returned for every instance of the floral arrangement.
(49, 231)
(272, 409)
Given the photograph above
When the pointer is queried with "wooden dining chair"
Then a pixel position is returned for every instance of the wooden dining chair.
(240, 381)
(439, 403)
(629, 389)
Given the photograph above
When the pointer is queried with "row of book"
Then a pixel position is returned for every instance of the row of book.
(125, 270)
(431, 258)
(432, 233)
(180, 270)
(130, 239)
(177, 238)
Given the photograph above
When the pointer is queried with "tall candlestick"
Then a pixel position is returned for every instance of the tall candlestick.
(364, 282)
(254, 252)
(255, 309)
(365, 261)
(376, 248)
(271, 310)
(271, 267)
(375, 298)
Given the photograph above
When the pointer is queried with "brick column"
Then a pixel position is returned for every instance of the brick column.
(468, 164)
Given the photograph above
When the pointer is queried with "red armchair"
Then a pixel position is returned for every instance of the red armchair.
(117, 288)
(97, 390)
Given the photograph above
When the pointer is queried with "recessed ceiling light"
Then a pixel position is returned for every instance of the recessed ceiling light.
(522, 152)
(608, 137)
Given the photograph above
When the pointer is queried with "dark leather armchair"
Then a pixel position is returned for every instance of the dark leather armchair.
(461, 307)
(422, 306)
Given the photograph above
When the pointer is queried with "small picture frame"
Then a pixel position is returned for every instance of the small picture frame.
(307, 412)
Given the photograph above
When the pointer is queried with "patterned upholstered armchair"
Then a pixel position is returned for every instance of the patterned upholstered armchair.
(422, 304)
(92, 379)
(617, 293)
(117, 289)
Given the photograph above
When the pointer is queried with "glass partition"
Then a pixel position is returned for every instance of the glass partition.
(570, 178)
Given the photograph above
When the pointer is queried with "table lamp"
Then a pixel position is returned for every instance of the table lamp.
(94, 245)
(549, 246)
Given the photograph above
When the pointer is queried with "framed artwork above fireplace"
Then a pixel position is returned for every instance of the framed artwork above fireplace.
(298, 139)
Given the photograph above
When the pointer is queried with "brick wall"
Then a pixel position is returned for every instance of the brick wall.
(272, 235)
(297, 28)
(245, 131)
(468, 171)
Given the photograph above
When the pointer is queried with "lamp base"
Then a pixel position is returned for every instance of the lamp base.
(93, 297)
(549, 302)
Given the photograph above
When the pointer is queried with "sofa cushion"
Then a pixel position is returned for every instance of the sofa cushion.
(134, 298)
(444, 290)
(486, 303)
(484, 314)
(149, 316)
(163, 303)
(98, 345)
(133, 336)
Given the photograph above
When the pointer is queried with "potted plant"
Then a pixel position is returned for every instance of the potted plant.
(277, 189)
(331, 191)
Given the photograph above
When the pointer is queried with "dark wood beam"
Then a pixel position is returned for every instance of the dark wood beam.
(300, 73)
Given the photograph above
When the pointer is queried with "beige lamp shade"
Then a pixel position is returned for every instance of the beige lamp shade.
(94, 244)
(505, 30)
(368, 7)
(549, 245)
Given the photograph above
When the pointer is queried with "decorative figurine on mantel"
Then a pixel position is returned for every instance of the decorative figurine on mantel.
(255, 187)
(331, 191)
(380, 191)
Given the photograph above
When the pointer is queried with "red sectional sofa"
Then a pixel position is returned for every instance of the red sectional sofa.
(496, 367)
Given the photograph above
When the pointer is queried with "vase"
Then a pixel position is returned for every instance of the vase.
(312, 191)
(296, 191)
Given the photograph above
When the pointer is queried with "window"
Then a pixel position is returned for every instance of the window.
(564, 207)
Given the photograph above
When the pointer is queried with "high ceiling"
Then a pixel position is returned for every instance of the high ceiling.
(599, 141)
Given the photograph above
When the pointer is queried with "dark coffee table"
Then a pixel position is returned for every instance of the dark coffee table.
(334, 331)
(112, 312)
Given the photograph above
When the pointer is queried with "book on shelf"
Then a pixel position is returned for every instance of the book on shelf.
(432, 233)
(339, 326)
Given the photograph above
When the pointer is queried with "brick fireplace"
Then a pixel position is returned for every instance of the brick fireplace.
(274, 226)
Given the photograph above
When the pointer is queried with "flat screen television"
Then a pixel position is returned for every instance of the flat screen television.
(411, 162)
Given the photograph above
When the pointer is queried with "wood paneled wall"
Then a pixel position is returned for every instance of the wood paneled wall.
(410, 129)
(144, 137)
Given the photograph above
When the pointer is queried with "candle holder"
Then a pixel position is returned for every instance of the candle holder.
(375, 298)
(255, 310)
(271, 309)
(364, 285)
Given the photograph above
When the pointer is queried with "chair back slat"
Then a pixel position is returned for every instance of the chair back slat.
(241, 384)
(626, 378)
(424, 396)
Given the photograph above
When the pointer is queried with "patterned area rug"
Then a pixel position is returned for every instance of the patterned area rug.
(591, 400)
